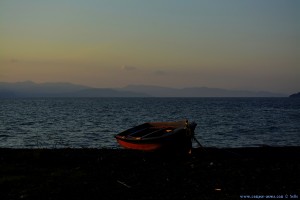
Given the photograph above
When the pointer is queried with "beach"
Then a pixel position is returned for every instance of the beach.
(209, 173)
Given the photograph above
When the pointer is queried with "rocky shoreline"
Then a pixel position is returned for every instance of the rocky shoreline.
(210, 173)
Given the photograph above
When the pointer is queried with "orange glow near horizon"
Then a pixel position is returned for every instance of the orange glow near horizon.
(180, 44)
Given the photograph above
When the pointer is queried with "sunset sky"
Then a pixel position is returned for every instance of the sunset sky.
(233, 44)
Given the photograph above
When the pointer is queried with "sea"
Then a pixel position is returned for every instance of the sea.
(93, 122)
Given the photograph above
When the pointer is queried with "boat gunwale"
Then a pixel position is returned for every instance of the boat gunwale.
(177, 127)
(141, 139)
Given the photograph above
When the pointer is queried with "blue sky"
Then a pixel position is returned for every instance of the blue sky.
(230, 44)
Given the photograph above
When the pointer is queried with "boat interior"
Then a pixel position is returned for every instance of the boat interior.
(149, 132)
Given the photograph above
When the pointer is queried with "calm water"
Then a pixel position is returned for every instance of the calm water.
(92, 122)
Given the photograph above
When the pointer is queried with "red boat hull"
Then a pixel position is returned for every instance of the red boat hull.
(143, 147)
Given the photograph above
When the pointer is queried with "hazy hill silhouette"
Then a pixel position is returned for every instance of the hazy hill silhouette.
(197, 92)
(30, 89)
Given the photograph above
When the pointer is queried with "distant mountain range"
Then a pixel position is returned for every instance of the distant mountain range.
(158, 91)
(30, 89)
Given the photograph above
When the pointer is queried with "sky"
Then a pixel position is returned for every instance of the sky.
(232, 44)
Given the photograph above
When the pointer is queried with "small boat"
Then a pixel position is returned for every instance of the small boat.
(154, 136)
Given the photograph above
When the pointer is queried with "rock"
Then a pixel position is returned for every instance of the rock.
(296, 95)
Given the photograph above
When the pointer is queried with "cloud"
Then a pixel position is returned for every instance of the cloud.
(13, 60)
(128, 68)
(160, 73)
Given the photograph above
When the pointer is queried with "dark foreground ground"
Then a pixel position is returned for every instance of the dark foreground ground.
(124, 174)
